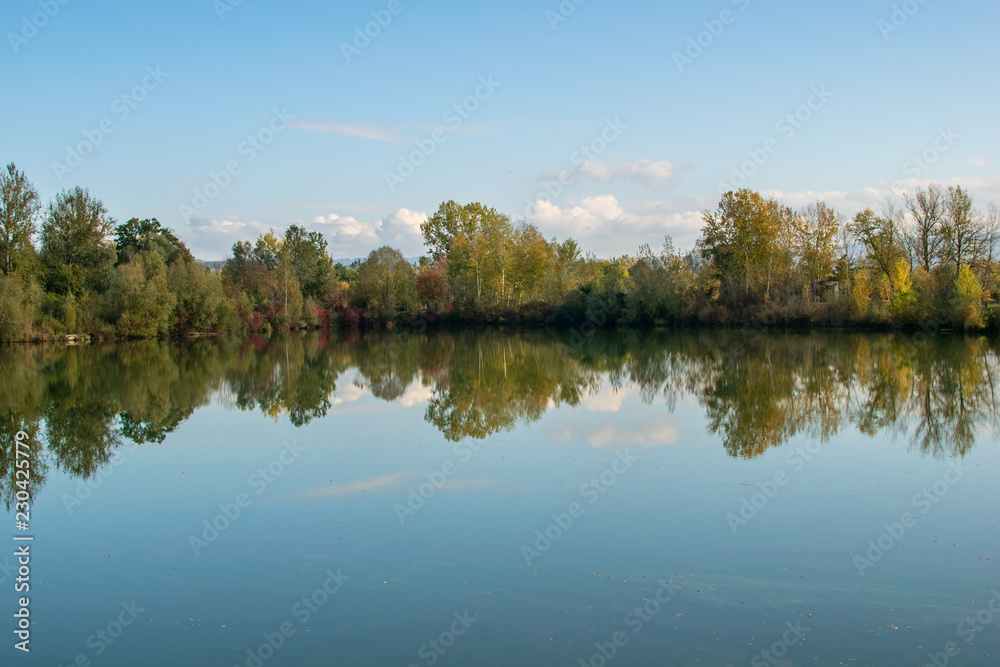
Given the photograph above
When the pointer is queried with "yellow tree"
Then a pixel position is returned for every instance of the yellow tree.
(476, 240)
(882, 238)
(533, 260)
(745, 239)
(815, 240)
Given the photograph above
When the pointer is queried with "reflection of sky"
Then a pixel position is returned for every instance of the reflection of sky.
(666, 516)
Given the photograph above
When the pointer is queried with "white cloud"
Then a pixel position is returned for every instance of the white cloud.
(602, 224)
(349, 394)
(416, 394)
(656, 174)
(984, 189)
(344, 130)
(655, 432)
(976, 161)
(344, 232)
(402, 227)
(350, 237)
(374, 484)
(608, 399)
(214, 239)
(388, 483)
(347, 236)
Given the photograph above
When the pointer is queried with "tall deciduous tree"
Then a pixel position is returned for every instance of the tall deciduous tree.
(19, 207)
(533, 261)
(386, 282)
(815, 236)
(963, 229)
(432, 285)
(77, 253)
(268, 250)
(477, 241)
(744, 238)
(307, 254)
(138, 236)
(882, 237)
(928, 210)
(142, 298)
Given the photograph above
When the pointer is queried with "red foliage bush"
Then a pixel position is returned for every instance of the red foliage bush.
(350, 318)
(256, 322)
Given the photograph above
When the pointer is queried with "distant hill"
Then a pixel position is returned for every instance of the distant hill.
(217, 264)
(214, 264)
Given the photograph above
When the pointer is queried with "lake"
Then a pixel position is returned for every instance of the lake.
(462, 498)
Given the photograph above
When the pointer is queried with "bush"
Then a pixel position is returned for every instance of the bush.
(142, 302)
(967, 310)
(310, 313)
(19, 307)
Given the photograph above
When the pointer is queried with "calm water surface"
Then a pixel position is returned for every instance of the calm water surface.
(508, 499)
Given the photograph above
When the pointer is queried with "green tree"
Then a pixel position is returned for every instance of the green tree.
(533, 262)
(309, 258)
(19, 304)
(386, 283)
(138, 236)
(478, 243)
(660, 287)
(566, 270)
(287, 292)
(201, 303)
(267, 251)
(19, 207)
(244, 274)
(141, 297)
(77, 253)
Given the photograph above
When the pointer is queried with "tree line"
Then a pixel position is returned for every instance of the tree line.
(929, 261)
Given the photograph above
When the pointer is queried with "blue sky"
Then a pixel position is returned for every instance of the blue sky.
(201, 77)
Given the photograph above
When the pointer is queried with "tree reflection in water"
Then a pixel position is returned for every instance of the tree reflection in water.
(79, 404)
